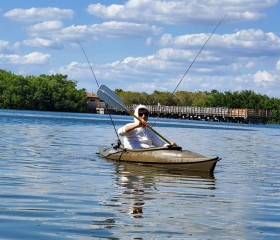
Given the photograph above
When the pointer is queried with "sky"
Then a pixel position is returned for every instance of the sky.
(146, 45)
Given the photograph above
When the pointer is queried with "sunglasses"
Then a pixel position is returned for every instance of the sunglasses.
(143, 112)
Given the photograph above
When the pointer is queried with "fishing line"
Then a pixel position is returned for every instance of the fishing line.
(200, 50)
(219, 23)
(79, 43)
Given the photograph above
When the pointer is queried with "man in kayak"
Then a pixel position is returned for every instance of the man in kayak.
(137, 135)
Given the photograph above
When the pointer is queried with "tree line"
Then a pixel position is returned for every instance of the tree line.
(57, 93)
(44, 92)
(244, 99)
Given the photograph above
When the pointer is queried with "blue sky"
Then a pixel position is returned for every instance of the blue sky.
(146, 45)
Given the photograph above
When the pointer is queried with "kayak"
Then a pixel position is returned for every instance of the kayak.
(172, 158)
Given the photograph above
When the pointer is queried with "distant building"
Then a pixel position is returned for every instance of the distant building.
(94, 103)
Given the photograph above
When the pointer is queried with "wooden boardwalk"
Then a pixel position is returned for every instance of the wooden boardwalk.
(218, 114)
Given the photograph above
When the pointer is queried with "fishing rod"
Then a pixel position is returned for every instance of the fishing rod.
(198, 53)
(200, 50)
(79, 43)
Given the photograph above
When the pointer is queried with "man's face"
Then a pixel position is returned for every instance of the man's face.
(143, 113)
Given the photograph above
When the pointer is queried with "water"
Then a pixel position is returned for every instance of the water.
(53, 185)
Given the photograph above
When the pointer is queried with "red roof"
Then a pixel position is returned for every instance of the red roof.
(92, 95)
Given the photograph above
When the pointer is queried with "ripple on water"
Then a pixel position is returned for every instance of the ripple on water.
(54, 186)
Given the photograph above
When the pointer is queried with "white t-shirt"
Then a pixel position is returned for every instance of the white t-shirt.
(141, 137)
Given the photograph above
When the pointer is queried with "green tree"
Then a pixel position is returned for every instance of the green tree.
(45, 92)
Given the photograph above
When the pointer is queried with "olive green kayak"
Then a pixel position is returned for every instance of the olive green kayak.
(173, 158)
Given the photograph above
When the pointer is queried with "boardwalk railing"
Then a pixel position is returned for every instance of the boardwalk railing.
(205, 113)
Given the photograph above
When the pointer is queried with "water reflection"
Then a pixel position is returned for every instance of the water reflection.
(139, 183)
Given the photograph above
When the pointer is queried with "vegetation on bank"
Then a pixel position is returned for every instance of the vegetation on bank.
(44, 92)
(244, 99)
(57, 93)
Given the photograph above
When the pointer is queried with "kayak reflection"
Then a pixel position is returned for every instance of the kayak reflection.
(142, 183)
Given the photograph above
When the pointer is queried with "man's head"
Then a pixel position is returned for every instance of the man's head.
(141, 111)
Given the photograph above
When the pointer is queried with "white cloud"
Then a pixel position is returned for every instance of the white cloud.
(34, 58)
(252, 41)
(249, 65)
(75, 70)
(42, 42)
(51, 33)
(181, 11)
(107, 12)
(39, 14)
(46, 26)
(114, 28)
(149, 41)
(278, 65)
(163, 62)
(5, 47)
(261, 78)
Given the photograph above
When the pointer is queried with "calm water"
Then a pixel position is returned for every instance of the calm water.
(53, 185)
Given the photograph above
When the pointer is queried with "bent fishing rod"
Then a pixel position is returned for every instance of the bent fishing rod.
(198, 53)
(200, 50)
(79, 43)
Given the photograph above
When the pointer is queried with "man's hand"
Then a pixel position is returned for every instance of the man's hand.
(172, 144)
(143, 123)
